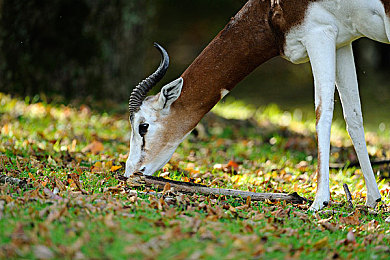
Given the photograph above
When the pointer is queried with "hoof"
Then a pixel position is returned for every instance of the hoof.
(317, 205)
(372, 202)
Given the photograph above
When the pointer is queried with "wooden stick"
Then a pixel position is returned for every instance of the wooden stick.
(348, 195)
(13, 181)
(331, 212)
(187, 187)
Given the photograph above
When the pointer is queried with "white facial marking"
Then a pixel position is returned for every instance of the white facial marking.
(145, 115)
(339, 20)
(224, 92)
(152, 150)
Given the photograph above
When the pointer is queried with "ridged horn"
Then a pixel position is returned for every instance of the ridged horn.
(141, 90)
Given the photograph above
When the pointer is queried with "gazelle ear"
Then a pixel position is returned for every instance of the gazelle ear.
(169, 93)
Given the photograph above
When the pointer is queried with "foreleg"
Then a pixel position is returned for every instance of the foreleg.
(321, 48)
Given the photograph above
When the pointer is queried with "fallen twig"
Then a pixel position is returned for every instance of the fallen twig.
(338, 166)
(13, 181)
(331, 212)
(334, 203)
(348, 194)
(187, 187)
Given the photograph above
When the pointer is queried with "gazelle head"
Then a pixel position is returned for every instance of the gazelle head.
(155, 133)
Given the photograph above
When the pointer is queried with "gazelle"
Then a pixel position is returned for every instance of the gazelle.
(319, 31)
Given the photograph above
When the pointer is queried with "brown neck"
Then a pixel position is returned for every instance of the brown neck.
(246, 42)
(386, 3)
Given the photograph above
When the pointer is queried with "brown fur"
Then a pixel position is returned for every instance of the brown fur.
(318, 116)
(246, 42)
(253, 36)
(386, 3)
(318, 113)
(287, 15)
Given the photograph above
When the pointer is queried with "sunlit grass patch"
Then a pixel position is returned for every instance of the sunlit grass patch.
(77, 207)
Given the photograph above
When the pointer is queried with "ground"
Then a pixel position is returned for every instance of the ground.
(76, 205)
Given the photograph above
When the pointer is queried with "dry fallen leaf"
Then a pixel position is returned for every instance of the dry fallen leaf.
(232, 164)
(281, 213)
(326, 224)
(19, 236)
(369, 226)
(301, 215)
(115, 167)
(321, 243)
(248, 201)
(351, 220)
(167, 187)
(382, 248)
(230, 167)
(59, 184)
(351, 236)
(43, 252)
(95, 147)
(76, 179)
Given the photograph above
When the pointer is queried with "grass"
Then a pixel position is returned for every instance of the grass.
(76, 207)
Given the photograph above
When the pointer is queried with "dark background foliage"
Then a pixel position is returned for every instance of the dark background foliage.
(101, 49)
(72, 48)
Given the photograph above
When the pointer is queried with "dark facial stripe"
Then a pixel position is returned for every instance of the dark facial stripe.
(143, 143)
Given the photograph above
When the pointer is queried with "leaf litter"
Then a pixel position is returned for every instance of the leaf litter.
(77, 205)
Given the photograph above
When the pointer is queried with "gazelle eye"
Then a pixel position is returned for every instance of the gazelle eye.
(142, 129)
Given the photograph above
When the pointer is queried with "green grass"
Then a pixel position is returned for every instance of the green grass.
(275, 152)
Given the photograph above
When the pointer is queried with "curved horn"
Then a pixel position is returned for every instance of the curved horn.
(141, 90)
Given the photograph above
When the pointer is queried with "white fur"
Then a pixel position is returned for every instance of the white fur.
(146, 114)
(224, 92)
(275, 3)
(347, 85)
(151, 112)
(171, 90)
(325, 39)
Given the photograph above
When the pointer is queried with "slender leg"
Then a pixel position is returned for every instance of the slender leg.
(347, 86)
(321, 48)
